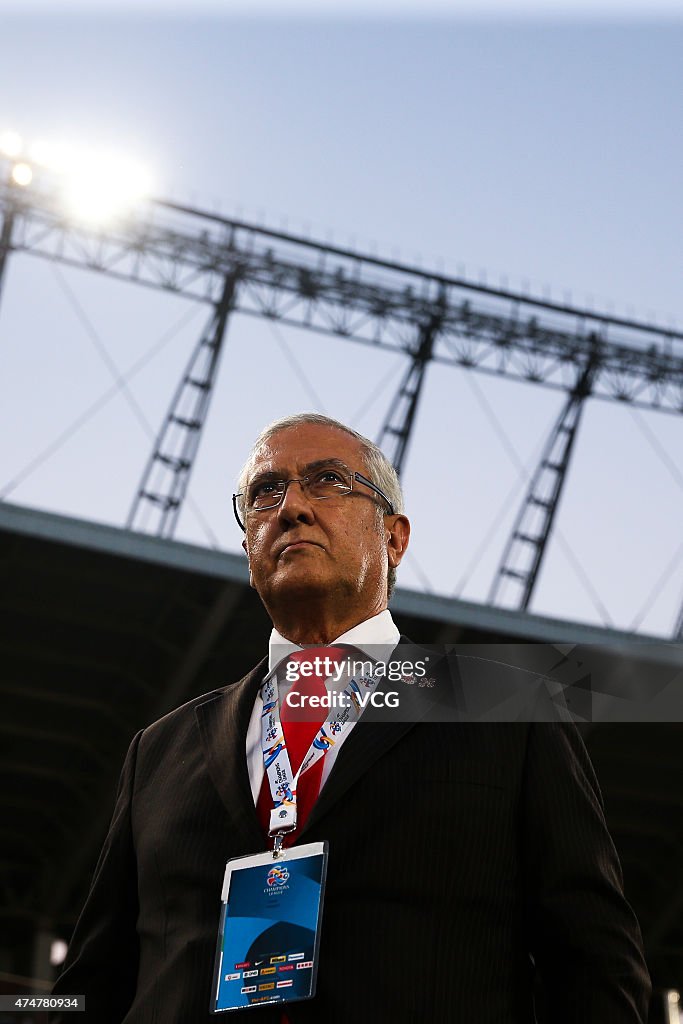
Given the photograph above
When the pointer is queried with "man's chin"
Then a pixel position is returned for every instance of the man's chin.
(294, 581)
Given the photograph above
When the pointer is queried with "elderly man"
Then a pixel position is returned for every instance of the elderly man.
(464, 858)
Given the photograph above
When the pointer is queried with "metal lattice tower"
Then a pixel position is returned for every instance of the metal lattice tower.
(6, 234)
(526, 545)
(167, 474)
(398, 425)
(678, 629)
(431, 318)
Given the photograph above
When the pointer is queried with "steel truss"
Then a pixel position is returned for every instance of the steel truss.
(401, 417)
(233, 265)
(334, 291)
(526, 545)
(678, 628)
(167, 474)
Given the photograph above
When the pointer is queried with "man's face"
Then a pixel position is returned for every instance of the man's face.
(308, 547)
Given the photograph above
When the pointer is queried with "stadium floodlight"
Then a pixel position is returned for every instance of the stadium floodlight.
(95, 185)
(22, 174)
(11, 145)
(99, 186)
(57, 157)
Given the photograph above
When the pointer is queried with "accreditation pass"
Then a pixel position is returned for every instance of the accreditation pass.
(269, 932)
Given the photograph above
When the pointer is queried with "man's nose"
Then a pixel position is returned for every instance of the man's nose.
(295, 505)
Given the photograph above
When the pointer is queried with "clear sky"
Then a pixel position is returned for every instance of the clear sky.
(544, 153)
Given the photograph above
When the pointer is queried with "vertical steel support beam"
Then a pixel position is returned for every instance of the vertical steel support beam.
(6, 240)
(395, 434)
(678, 628)
(523, 554)
(164, 482)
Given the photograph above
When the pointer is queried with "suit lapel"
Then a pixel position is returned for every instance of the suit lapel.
(372, 737)
(223, 722)
(364, 746)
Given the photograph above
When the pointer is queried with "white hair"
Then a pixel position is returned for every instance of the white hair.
(379, 469)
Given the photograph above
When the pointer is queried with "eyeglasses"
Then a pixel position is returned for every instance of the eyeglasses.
(329, 480)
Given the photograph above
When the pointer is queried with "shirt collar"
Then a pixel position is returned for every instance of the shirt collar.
(379, 631)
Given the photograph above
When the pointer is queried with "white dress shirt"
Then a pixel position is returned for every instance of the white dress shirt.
(376, 638)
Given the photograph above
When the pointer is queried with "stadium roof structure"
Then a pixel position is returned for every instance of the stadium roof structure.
(103, 630)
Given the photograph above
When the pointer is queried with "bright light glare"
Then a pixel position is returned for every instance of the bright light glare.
(11, 145)
(100, 186)
(53, 156)
(58, 951)
(22, 174)
(95, 185)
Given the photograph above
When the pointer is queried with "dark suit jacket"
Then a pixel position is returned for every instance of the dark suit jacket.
(457, 853)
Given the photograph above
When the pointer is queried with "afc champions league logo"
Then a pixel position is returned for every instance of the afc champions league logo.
(277, 877)
(284, 793)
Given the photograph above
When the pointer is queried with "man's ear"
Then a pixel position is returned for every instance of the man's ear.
(397, 529)
(246, 551)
